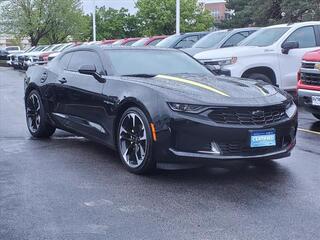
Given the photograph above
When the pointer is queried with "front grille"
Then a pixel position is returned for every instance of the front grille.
(309, 65)
(243, 148)
(310, 78)
(248, 116)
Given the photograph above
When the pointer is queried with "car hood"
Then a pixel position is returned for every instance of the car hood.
(194, 51)
(211, 89)
(232, 52)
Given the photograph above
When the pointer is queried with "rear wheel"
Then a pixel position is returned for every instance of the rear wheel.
(316, 115)
(135, 141)
(260, 76)
(36, 116)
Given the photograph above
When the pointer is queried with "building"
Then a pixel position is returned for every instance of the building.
(10, 40)
(218, 9)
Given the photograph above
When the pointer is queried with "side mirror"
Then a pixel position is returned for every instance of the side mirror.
(287, 46)
(91, 70)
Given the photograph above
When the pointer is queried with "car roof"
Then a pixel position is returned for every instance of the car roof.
(108, 47)
(295, 24)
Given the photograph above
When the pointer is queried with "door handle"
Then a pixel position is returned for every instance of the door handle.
(63, 80)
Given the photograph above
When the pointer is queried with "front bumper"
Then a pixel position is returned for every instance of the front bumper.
(189, 140)
(305, 100)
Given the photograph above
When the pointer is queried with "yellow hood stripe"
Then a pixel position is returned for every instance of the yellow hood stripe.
(263, 93)
(193, 83)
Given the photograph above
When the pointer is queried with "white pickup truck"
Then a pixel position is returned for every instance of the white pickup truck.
(272, 54)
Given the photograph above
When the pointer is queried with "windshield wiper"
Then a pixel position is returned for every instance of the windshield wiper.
(143, 75)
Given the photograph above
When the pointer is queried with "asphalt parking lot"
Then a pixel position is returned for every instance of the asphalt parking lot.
(71, 188)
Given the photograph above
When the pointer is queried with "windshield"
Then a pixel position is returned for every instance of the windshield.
(153, 62)
(210, 40)
(168, 41)
(52, 48)
(140, 43)
(265, 37)
(39, 48)
(45, 48)
(29, 49)
(130, 42)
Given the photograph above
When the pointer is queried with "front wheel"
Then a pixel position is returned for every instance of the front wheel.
(36, 116)
(316, 115)
(135, 142)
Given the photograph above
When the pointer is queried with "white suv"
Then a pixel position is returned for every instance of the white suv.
(272, 54)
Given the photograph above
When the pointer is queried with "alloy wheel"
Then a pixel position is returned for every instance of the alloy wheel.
(33, 112)
(133, 142)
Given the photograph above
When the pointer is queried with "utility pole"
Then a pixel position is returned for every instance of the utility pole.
(94, 21)
(177, 16)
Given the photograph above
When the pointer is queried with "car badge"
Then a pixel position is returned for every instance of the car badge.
(317, 66)
(258, 113)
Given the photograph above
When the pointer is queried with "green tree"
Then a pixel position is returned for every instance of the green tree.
(268, 12)
(159, 16)
(113, 24)
(49, 20)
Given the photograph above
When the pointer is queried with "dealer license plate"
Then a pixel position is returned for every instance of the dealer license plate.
(315, 100)
(263, 138)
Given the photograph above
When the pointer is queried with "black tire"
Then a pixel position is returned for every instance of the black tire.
(260, 76)
(126, 144)
(36, 116)
(316, 115)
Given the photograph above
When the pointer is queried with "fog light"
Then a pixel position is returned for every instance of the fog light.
(214, 149)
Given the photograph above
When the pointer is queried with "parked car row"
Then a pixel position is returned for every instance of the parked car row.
(189, 42)
(36, 55)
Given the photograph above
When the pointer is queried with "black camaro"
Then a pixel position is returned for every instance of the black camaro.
(158, 106)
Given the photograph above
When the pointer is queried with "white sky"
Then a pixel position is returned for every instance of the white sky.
(117, 4)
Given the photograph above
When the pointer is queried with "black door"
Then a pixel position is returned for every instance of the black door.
(79, 100)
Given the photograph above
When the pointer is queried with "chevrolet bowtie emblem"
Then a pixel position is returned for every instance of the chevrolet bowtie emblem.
(317, 66)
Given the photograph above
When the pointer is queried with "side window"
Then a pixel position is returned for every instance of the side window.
(64, 61)
(81, 58)
(305, 36)
(187, 42)
(235, 39)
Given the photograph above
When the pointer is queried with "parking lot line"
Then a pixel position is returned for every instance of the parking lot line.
(308, 131)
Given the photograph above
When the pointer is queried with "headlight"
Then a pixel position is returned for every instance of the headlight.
(220, 62)
(189, 108)
(291, 109)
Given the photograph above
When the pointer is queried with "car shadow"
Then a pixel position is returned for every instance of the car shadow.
(241, 182)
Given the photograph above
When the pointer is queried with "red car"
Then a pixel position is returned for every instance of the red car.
(125, 42)
(309, 83)
(148, 41)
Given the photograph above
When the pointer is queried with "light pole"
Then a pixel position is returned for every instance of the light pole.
(177, 16)
(94, 21)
